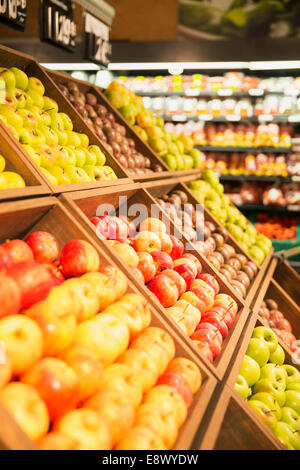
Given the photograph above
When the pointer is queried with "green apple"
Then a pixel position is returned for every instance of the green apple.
(293, 374)
(47, 155)
(85, 142)
(42, 116)
(274, 372)
(77, 175)
(267, 335)
(20, 78)
(273, 387)
(264, 412)
(56, 121)
(32, 153)
(284, 433)
(60, 175)
(74, 138)
(67, 122)
(250, 370)
(12, 117)
(49, 176)
(80, 156)
(20, 98)
(36, 85)
(278, 356)
(95, 151)
(9, 79)
(2, 163)
(51, 137)
(109, 173)
(257, 254)
(293, 386)
(259, 351)
(270, 401)
(292, 400)
(242, 387)
(291, 417)
(32, 136)
(62, 136)
(171, 161)
(50, 105)
(65, 156)
(29, 119)
(37, 99)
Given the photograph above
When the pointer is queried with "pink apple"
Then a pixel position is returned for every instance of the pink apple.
(44, 246)
(196, 261)
(177, 248)
(211, 281)
(164, 289)
(130, 225)
(179, 281)
(146, 265)
(187, 273)
(147, 241)
(161, 260)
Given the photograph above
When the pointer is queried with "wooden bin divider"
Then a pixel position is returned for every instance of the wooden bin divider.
(50, 215)
(83, 205)
(141, 145)
(288, 278)
(9, 58)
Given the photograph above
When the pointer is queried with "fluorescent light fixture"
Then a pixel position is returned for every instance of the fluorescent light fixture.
(171, 65)
(71, 66)
(274, 65)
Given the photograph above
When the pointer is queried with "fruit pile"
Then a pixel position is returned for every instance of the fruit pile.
(271, 387)
(112, 134)
(158, 260)
(83, 369)
(238, 271)
(276, 227)
(63, 155)
(9, 179)
(176, 151)
(210, 192)
(269, 311)
(263, 193)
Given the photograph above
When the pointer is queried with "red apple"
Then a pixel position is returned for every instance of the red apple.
(204, 349)
(209, 334)
(224, 300)
(94, 220)
(146, 265)
(152, 224)
(177, 248)
(179, 281)
(10, 296)
(147, 241)
(187, 261)
(204, 295)
(275, 316)
(215, 319)
(5, 259)
(284, 324)
(191, 297)
(44, 246)
(101, 227)
(211, 281)
(165, 289)
(18, 250)
(55, 271)
(287, 337)
(137, 273)
(166, 242)
(130, 225)
(161, 260)
(196, 261)
(57, 384)
(223, 313)
(78, 257)
(34, 281)
(187, 273)
(179, 383)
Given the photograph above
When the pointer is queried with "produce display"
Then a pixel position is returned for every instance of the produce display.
(263, 193)
(235, 267)
(276, 227)
(177, 152)
(210, 192)
(103, 123)
(63, 155)
(9, 179)
(269, 311)
(175, 277)
(271, 386)
(84, 369)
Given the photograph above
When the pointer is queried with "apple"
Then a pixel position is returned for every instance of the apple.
(164, 289)
(169, 400)
(187, 273)
(161, 337)
(147, 241)
(178, 316)
(291, 417)
(130, 225)
(186, 261)
(250, 370)
(242, 387)
(86, 427)
(161, 260)
(179, 383)
(196, 261)
(191, 315)
(114, 410)
(141, 438)
(138, 275)
(293, 386)
(153, 225)
(293, 374)
(189, 370)
(116, 282)
(55, 441)
(18, 250)
(276, 316)
(27, 409)
(204, 349)
(264, 412)
(270, 401)
(179, 281)
(78, 257)
(209, 334)
(10, 296)
(211, 281)
(177, 248)
(146, 265)
(204, 292)
(105, 335)
(155, 351)
(56, 383)
(23, 341)
(126, 252)
(5, 370)
(21, 79)
(292, 400)
(5, 260)
(272, 387)
(284, 324)
(286, 435)
(44, 246)
(266, 335)
(166, 242)
(223, 313)
(142, 363)
(214, 319)
(286, 337)
(278, 356)
(274, 372)
(259, 351)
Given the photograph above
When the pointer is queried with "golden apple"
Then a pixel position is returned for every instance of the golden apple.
(170, 402)
(154, 350)
(189, 370)
(85, 298)
(140, 438)
(143, 365)
(164, 425)
(57, 441)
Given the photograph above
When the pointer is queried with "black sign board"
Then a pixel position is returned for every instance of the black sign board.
(57, 25)
(97, 45)
(13, 13)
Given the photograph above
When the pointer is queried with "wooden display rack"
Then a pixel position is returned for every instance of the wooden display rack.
(50, 215)
(141, 145)
(84, 204)
(9, 58)
(35, 186)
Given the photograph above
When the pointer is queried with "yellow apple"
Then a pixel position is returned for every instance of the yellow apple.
(189, 370)
(141, 438)
(163, 424)
(142, 364)
(169, 400)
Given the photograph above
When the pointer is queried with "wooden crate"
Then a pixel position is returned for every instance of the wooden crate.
(84, 205)
(15, 161)
(50, 215)
(159, 188)
(9, 58)
(289, 279)
(141, 145)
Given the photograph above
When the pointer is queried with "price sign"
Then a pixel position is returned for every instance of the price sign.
(97, 45)
(57, 25)
(13, 12)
